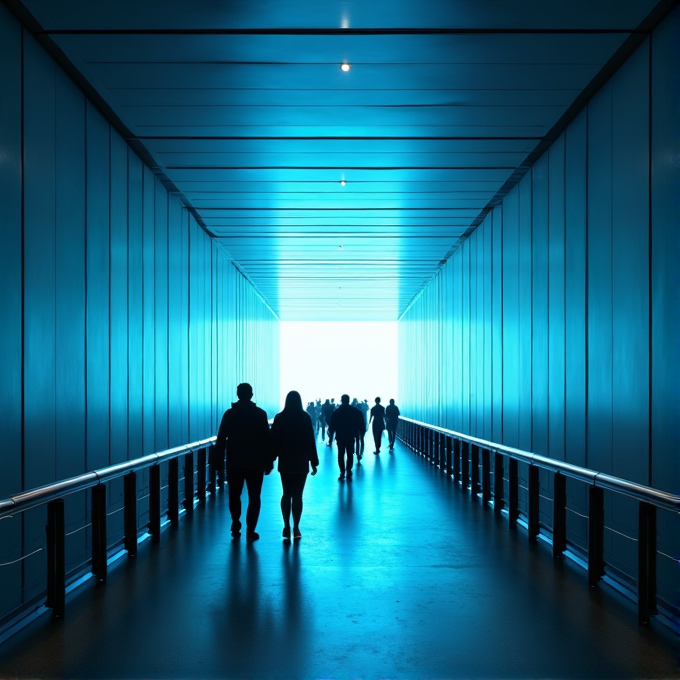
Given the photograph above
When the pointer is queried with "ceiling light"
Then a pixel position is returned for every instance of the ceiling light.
(342, 182)
(339, 246)
(345, 67)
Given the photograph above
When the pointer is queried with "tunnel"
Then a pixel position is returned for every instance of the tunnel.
(501, 180)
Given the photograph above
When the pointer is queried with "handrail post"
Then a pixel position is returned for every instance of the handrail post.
(534, 499)
(429, 445)
(200, 475)
(130, 513)
(173, 490)
(189, 482)
(498, 490)
(436, 449)
(474, 483)
(465, 464)
(99, 533)
(646, 562)
(486, 476)
(456, 460)
(212, 470)
(155, 503)
(56, 558)
(449, 454)
(513, 491)
(559, 515)
(595, 535)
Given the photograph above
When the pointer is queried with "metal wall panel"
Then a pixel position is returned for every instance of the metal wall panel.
(600, 281)
(39, 297)
(148, 315)
(575, 322)
(97, 287)
(556, 304)
(161, 357)
(665, 289)
(525, 340)
(10, 302)
(496, 217)
(119, 300)
(511, 317)
(539, 308)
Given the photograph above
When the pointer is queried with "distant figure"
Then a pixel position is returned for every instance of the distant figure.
(378, 418)
(327, 411)
(392, 418)
(346, 422)
(311, 412)
(359, 448)
(244, 435)
(363, 406)
(294, 444)
(319, 418)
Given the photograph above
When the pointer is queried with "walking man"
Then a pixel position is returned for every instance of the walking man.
(326, 412)
(345, 423)
(378, 419)
(244, 435)
(392, 418)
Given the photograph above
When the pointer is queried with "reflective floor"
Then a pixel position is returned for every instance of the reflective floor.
(398, 574)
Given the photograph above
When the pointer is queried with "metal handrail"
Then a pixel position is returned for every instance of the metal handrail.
(656, 497)
(44, 494)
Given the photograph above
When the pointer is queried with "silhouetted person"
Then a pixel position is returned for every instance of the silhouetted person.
(294, 444)
(360, 435)
(244, 434)
(378, 418)
(311, 412)
(346, 422)
(392, 419)
(327, 411)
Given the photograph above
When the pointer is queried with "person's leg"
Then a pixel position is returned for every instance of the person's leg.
(235, 479)
(377, 436)
(254, 482)
(341, 457)
(349, 448)
(287, 484)
(298, 486)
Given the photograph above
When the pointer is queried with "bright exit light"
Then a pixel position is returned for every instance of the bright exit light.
(324, 360)
(345, 67)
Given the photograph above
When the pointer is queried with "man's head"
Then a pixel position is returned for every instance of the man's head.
(332, 401)
(377, 400)
(392, 402)
(345, 398)
(244, 392)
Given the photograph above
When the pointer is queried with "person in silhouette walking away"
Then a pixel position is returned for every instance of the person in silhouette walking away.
(326, 412)
(293, 442)
(346, 423)
(244, 435)
(360, 444)
(311, 412)
(378, 419)
(392, 419)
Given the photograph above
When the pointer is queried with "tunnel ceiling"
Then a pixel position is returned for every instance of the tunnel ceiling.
(245, 109)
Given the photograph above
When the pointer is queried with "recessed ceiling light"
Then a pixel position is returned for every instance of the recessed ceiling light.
(339, 246)
(342, 182)
(345, 67)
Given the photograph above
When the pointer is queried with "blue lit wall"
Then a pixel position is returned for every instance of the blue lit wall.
(125, 330)
(555, 327)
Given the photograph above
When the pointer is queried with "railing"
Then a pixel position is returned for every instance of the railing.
(53, 495)
(468, 460)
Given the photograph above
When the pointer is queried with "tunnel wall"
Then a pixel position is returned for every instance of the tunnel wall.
(555, 327)
(125, 330)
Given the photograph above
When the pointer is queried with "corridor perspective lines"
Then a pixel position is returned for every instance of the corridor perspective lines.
(398, 574)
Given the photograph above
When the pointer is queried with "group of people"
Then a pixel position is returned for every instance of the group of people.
(251, 448)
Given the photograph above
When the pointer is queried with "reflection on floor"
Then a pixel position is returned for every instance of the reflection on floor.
(398, 574)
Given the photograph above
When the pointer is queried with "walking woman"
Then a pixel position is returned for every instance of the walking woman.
(294, 444)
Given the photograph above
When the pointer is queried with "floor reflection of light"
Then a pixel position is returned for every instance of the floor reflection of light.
(327, 359)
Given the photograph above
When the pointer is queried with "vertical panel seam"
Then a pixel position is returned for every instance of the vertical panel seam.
(23, 308)
(586, 301)
(650, 435)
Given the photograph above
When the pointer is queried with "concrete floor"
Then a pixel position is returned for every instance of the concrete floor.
(398, 574)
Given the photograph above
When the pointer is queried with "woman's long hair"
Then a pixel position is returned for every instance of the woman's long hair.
(293, 403)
